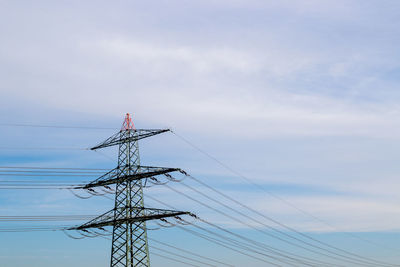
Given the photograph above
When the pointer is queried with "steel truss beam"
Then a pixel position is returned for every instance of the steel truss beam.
(129, 216)
(138, 134)
(114, 176)
(144, 214)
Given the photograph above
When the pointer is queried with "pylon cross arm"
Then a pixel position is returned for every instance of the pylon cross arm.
(139, 134)
(147, 214)
(129, 216)
(140, 172)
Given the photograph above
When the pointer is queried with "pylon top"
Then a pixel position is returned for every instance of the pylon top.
(128, 124)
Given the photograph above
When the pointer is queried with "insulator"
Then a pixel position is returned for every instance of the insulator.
(94, 192)
(153, 229)
(183, 172)
(106, 190)
(169, 224)
(173, 179)
(100, 234)
(75, 194)
(157, 182)
(70, 236)
(181, 221)
(90, 234)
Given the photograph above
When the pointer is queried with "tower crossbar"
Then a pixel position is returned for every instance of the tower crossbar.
(129, 215)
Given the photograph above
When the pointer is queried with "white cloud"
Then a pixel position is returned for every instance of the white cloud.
(284, 70)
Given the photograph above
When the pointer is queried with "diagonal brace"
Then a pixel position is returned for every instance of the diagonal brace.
(138, 134)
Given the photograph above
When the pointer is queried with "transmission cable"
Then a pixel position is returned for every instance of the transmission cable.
(189, 252)
(42, 148)
(260, 230)
(281, 199)
(223, 242)
(183, 257)
(345, 258)
(249, 247)
(173, 259)
(45, 218)
(51, 168)
(55, 126)
(283, 225)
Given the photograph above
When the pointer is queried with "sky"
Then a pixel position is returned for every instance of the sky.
(300, 97)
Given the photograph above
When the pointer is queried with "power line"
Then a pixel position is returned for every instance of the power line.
(51, 218)
(190, 252)
(49, 168)
(45, 218)
(55, 126)
(40, 181)
(222, 242)
(41, 148)
(183, 257)
(254, 245)
(28, 188)
(32, 229)
(257, 229)
(49, 171)
(40, 185)
(225, 244)
(270, 262)
(48, 175)
(236, 173)
(173, 259)
(283, 225)
(346, 259)
(128, 217)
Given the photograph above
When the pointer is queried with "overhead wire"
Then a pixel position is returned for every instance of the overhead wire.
(262, 244)
(35, 188)
(182, 250)
(190, 252)
(260, 214)
(226, 244)
(93, 128)
(39, 183)
(234, 249)
(344, 258)
(48, 175)
(47, 171)
(45, 217)
(368, 265)
(25, 184)
(252, 247)
(258, 229)
(223, 240)
(236, 173)
(55, 126)
(32, 229)
(175, 260)
(181, 256)
(49, 168)
(42, 148)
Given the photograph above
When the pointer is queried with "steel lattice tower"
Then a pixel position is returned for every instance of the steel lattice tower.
(129, 216)
(129, 241)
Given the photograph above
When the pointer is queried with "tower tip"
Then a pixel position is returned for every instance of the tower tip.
(128, 124)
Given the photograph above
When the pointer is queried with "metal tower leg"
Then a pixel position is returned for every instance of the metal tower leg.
(129, 216)
(129, 243)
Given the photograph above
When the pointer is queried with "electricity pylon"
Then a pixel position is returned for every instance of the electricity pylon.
(129, 216)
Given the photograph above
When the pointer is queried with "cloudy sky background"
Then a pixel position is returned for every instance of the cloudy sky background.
(300, 96)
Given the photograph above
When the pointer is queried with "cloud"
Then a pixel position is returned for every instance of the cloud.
(232, 74)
